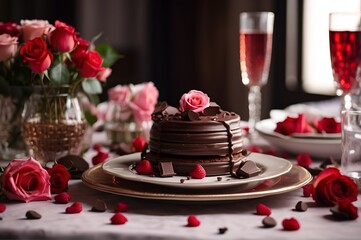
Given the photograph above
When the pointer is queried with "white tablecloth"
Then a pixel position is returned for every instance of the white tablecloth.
(155, 219)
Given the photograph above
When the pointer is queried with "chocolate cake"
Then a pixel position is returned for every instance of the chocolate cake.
(212, 138)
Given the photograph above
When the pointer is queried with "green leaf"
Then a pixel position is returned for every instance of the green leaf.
(91, 119)
(109, 54)
(59, 74)
(91, 86)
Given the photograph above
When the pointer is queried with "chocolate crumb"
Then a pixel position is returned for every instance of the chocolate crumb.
(1, 218)
(31, 214)
(99, 206)
(244, 152)
(219, 179)
(269, 222)
(301, 206)
(189, 177)
(222, 230)
(182, 180)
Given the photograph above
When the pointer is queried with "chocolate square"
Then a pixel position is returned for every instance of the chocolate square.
(166, 169)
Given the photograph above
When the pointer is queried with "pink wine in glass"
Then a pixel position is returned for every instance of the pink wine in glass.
(255, 57)
(345, 49)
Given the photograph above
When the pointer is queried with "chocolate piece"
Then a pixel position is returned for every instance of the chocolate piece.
(75, 164)
(301, 206)
(212, 110)
(222, 230)
(219, 179)
(160, 107)
(31, 214)
(166, 169)
(248, 169)
(269, 222)
(190, 115)
(99, 206)
(182, 180)
(338, 214)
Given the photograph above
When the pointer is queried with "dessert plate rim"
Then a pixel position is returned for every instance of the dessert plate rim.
(271, 167)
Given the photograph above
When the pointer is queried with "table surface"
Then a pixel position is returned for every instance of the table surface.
(159, 219)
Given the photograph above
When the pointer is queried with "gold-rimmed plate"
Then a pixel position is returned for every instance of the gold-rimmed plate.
(97, 179)
(270, 166)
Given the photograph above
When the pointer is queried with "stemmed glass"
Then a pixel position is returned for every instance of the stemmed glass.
(255, 39)
(345, 51)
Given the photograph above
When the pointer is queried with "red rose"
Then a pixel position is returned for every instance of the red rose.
(10, 28)
(293, 125)
(328, 125)
(37, 55)
(330, 187)
(78, 53)
(63, 37)
(90, 64)
(59, 178)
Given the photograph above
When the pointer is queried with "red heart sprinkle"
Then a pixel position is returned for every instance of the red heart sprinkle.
(262, 209)
(121, 207)
(144, 167)
(62, 198)
(198, 172)
(76, 207)
(193, 221)
(290, 224)
(118, 218)
(2, 207)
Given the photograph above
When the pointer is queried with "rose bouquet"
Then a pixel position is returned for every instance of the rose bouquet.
(129, 111)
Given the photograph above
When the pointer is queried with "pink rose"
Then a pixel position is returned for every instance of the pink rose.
(120, 94)
(63, 37)
(194, 100)
(144, 101)
(8, 47)
(90, 64)
(104, 74)
(26, 180)
(34, 28)
(36, 53)
(10, 28)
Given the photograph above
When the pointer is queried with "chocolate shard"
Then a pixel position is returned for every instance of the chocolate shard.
(269, 222)
(31, 214)
(166, 169)
(301, 206)
(248, 169)
(75, 164)
(99, 206)
(212, 110)
(190, 115)
(160, 107)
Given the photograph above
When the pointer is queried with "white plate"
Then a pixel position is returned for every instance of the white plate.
(97, 179)
(315, 147)
(271, 167)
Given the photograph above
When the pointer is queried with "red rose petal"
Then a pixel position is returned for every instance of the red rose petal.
(2, 207)
(290, 224)
(118, 218)
(304, 160)
(262, 209)
(62, 198)
(307, 190)
(193, 221)
(121, 207)
(76, 207)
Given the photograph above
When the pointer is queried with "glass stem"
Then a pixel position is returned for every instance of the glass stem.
(254, 107)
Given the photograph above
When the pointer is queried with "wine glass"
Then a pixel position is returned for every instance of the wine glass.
(345, 52)
(255, 39)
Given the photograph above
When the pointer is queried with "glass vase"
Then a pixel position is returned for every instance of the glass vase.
(121, 128)
(53, 124)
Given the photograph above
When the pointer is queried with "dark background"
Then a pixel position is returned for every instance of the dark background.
(178, 44)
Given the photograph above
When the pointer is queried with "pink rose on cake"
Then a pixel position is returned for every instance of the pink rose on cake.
(194, 100)
(26, 180)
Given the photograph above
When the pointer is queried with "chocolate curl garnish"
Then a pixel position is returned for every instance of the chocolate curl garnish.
(190, 115)
(212, 110)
